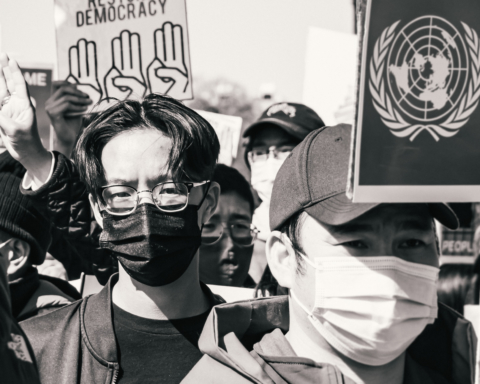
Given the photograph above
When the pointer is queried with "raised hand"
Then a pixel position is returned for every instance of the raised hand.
(83, 69)
(125, 79)
(18, 127)
(65, 108)
(167, 73)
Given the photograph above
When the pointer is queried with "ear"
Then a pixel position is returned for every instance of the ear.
(281, 259)
(18, 253)
(210, 203)
(96, 210)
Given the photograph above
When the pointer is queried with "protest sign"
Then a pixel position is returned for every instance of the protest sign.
(39, 80)
(417, 136)
(457, 246)
(332, 97)
(123, 49)
(228, 130)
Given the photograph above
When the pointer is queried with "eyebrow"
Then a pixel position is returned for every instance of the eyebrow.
(240, 216)
(348, 229)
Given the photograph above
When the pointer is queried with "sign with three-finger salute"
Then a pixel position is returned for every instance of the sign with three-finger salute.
(124, 49)
(418, 115)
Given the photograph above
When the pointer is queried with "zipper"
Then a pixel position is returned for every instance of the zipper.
(115, 376)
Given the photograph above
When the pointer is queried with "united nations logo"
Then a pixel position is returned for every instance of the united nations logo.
(425, 77)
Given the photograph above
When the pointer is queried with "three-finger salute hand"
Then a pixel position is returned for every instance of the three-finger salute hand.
(167, 73)
(18, 127)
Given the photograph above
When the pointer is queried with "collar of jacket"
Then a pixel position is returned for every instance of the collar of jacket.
(100, 336)
(22, 289)
(446, 347)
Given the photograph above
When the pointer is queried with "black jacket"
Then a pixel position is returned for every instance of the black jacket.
(65, 199)
(76, 344)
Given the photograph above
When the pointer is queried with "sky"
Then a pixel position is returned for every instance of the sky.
(250, 42)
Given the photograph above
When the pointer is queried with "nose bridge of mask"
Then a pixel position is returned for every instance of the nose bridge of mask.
(382, 277)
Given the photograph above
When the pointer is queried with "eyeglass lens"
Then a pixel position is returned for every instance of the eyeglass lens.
(122, 199)
(240, 232)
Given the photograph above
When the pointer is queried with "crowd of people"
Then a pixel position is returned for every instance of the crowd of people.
(133, 194)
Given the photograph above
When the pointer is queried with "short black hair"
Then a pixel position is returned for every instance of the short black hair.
(291, 228)
(230, 180)
(195, 145)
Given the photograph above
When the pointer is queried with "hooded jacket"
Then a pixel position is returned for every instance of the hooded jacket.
(76, 343)
(244, 342)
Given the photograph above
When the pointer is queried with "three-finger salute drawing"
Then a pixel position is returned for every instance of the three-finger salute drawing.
(125, 78)
(167, 73)
(83, 69)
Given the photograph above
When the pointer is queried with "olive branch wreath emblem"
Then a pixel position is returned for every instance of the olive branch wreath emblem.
(392, 118)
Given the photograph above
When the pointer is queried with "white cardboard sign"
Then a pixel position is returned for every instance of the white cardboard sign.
(228, 130)
(124, 49)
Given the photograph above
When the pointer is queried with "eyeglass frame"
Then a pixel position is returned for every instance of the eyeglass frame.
(253, 229)
(188, 184)
(272, 149)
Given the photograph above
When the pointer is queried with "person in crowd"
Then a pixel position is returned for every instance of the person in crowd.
(17, 361)
(228, 237)
(147, 167)
(362, 304)
(270, 140)
(24, 241)
(457, 286)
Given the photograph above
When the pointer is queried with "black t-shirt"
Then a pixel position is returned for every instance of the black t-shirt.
(156, 351)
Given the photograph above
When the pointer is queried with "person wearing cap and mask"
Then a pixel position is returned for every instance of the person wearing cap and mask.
(146, 168)
(362, 304)
(271, 139)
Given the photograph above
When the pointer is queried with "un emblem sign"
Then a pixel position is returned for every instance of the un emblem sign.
(425, 77)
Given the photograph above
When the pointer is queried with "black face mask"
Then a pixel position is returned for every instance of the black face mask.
(153, 246)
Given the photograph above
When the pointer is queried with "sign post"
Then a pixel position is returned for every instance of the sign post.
(416, 134)
(123, 49)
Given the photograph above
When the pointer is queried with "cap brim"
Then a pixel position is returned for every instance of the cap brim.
(292, 129)
(339, 209)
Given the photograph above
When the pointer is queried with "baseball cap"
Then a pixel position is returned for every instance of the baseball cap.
(314, 179)
(296, 119)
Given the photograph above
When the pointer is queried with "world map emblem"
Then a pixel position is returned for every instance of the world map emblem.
(425, 77)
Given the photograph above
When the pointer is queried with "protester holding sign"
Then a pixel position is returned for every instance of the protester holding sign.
(271, 139)
(147, 167)
(362, 278)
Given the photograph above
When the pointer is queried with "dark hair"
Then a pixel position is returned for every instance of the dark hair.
(292, 228)
(195, 145)
(454, 283)
(231, 180)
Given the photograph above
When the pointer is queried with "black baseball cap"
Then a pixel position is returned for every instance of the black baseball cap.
(314, 179)
(296, 119)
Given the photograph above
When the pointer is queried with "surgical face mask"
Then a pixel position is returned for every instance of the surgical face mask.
(263, 176)
(154, 247)
(370, 309)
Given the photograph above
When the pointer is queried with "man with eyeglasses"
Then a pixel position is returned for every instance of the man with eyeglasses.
(146, 167)
(228, 237)
(271, 139)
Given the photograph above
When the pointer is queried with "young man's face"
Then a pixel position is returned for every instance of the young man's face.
(226, 262)
(402, 230)
(138, 158)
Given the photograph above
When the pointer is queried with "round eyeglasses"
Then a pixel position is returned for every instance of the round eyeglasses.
(168, 197)
(242, 233)
(258, 154)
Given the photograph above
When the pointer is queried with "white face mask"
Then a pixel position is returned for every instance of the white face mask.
(263, 176)
(371, 309)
